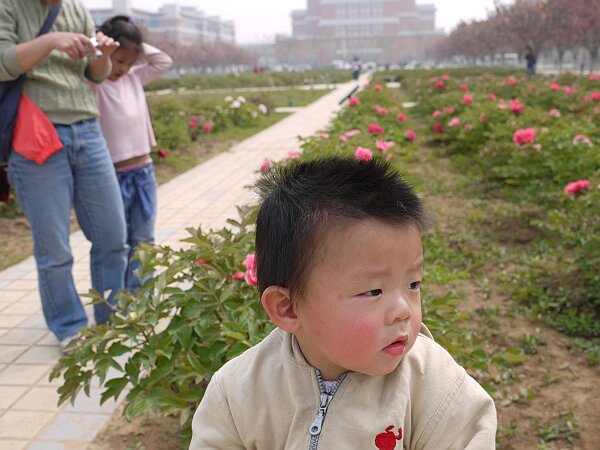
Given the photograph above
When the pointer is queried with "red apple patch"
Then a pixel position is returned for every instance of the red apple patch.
(387, 440)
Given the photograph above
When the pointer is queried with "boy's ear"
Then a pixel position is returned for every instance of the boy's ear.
(278, 305)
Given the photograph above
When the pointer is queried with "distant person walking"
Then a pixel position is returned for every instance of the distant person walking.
(530, 60)
(80, 174)
(356, 68)
(125, 122)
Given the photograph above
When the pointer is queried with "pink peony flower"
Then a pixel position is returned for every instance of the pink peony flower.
(411, 135)
(384, 146)
(436, 114)
(250, 261)
(575, 186)
(381, 111)
(201, 118)
(193, 123)
(467, 99)
(375, 129)
(468, 127)
(343, 138)
(162, 153)
(207, 127)
(401, 117)
(265, 165)
(439, 85)
(351, 133)
(454, 122)
(524, 136)
(582, 138)
(378, 87)
(512, 80)
(363, 154)
(325, 135)
(492, 97)
(353, 101)
(595, 96)
(516, 106)
(438, 127)
(464, 87)
(445, 77)
(293, 154)
(250, 274)
(554, 112)
(568, 90)
(555, 87)
(238, 275)
(448, 110)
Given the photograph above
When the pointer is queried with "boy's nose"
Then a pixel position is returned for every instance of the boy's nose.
(399, 308)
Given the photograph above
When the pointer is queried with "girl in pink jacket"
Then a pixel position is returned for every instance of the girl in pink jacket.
(125, 123)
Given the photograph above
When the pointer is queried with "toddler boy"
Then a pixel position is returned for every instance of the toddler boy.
(350, 365)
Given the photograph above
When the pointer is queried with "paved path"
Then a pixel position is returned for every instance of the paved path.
(206, 196)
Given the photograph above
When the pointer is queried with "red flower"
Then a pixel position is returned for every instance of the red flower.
(438, 127)
(265, 165)
(200, 262)
(439, 85)
(575, 186)
(492, 97)
(162, 153)
(411, 135)
(378, 87)
(193, 123)
(524, 136)
(595, 96)
(467, 99)
(353, 101)
(363, 154)
(555, 87)
(375, 129)
(401, 117)
(464, 87)
(516, 106)
(207, 127)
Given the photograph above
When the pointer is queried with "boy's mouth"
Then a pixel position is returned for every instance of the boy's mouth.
(397, 347)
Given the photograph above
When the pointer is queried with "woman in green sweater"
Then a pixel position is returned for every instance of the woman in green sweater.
(81, 173)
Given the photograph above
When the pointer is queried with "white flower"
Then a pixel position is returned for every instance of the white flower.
(241, 99)
(229, 99)
(235, 104)
(263, 109)
(254, 114)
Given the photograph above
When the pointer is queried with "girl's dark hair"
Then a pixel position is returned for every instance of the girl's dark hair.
(124, 30)
(301, 202)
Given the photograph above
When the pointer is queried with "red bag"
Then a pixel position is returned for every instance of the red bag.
(34, 137)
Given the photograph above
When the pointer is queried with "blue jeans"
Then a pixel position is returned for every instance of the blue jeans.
(138, 188)
(79, 175)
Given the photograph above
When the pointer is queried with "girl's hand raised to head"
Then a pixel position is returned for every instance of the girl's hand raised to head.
(106, 44)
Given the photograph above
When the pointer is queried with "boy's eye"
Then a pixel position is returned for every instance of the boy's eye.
(373, 293)
(415, 285)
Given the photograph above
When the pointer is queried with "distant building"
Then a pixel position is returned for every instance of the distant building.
(184, 25)
(382, 31)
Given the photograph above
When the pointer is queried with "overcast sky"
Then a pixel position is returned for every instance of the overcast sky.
(260, 20)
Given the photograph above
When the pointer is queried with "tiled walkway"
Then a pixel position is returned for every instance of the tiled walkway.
(205, 195)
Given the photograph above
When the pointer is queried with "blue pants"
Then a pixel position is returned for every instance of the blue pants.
(138, 188)
(79, 175)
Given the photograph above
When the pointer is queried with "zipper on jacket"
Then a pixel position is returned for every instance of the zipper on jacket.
(324, 400)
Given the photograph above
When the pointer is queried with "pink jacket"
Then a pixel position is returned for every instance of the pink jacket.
(124, 116)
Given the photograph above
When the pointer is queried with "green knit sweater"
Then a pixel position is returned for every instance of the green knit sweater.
(56, 84)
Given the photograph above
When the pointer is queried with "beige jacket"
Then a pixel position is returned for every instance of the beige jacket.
(268, 397)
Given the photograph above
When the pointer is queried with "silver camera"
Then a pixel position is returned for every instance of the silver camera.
(96, 46)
